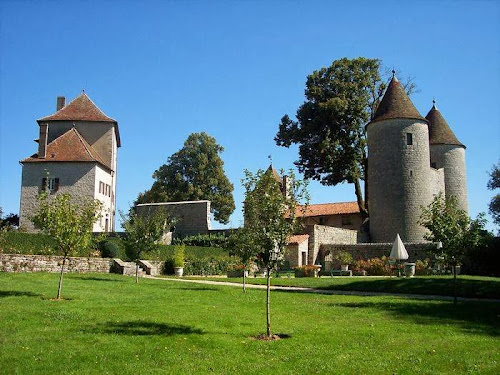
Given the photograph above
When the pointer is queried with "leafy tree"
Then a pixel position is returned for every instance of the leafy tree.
(11, 221)
(329, 130)
(494, 183)
(270, 219)
(69, 223)
(451, 226)
(240, 244)
(194, 172)
(453, 229)
(142, 233)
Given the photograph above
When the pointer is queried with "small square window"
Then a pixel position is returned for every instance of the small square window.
(409, 139)
(346, 220)
(51, 184)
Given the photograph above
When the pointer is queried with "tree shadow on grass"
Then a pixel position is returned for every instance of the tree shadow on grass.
(144, 328)
(475, 318)
(95, 278)
(426, 286)
(16, 293)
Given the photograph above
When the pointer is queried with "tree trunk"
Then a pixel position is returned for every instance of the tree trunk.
(359, 198)
(454, 283)
(244, 281)
(59, 290)
(136, 272)
(268, 296)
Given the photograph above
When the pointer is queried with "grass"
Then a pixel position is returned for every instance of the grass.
(108, 324)
(467, 286)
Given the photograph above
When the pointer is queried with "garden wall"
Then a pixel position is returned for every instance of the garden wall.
(52, 263)
(375, 250)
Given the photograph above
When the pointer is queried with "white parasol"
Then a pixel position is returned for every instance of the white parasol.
(398, 251)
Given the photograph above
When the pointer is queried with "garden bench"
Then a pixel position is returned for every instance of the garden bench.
(340, 272)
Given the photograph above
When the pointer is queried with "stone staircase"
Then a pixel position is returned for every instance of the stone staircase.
(126, 268)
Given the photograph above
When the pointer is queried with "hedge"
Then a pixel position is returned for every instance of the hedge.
(15, 242)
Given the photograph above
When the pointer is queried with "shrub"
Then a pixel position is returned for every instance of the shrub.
(306, 271)
(343, 258)
(374, 266)
(422, 267)
(207, 267)
(109, 249)
(179, 255)
(483, 260)
(16, 242)
(203, 240)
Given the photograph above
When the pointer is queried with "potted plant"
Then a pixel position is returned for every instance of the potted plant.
(179, 260)
(344, 258)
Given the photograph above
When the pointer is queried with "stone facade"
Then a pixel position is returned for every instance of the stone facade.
(399, 178)
(191, 217)
(322, 235)
(452, 159)
(52, 263)
(77, 179)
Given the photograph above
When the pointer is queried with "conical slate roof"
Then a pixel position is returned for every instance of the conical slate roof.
(439, 131)
(396, 104)
(80, 109)
(274, 173)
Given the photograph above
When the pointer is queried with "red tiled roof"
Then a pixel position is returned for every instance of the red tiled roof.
(82, 108)
(68, 147)
(396, 104)
(439, 131)
(79, 109)
(326, 209)
(298, 239)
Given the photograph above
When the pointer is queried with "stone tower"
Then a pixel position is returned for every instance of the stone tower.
(447, 152)
(399, 178)
(77, 154)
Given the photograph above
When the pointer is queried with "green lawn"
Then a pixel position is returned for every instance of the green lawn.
(108, 324)
(467, 286)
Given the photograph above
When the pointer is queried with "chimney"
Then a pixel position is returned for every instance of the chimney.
(42, 142)
(61, 102)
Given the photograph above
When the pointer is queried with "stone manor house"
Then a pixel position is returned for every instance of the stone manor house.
(77, 149)
(411, 158)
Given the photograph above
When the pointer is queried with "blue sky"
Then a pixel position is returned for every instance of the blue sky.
(233, 69)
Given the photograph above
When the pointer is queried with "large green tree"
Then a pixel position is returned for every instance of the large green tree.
(340, 100)
(270, 219)
(69, 223)
(493, 184)
(194, 172)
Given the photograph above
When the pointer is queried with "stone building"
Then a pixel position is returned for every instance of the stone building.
(77, 154)
(410, 159)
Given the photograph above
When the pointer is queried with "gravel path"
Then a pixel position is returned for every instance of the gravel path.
(324, 291)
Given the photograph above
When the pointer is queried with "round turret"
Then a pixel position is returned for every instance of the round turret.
(447, 152)
(398, 168)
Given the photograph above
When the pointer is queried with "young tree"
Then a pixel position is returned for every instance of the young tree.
(69, 223)
(270, 219)
(194, 172)
(452, 228)
(240, 244)
(493, 184)
(142, 233)
(340, 100)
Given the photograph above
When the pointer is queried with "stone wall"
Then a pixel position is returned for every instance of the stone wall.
(294, 253)
(52, 263)
(75, 178)
(374, 250)
(324, 235)
(399, 178)
(192, 217)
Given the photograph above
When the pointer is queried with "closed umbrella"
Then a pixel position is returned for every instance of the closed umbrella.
(398, 252)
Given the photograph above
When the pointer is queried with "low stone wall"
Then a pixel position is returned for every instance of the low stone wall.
(320, 235)
(52, 263)
(375, 250)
